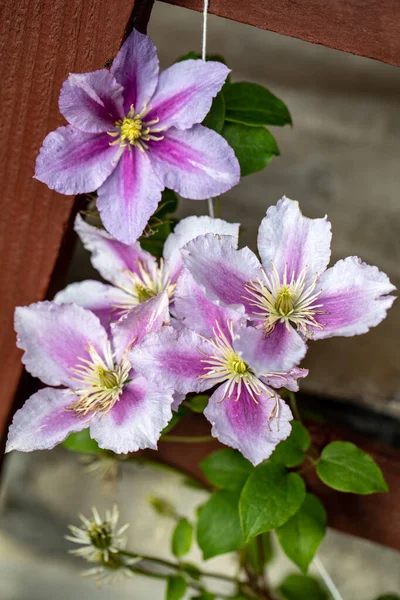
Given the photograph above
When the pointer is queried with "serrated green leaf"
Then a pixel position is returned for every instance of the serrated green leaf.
(269, 498)
(290, 452)
(226, 469)
(176, 587)
(198, 402)
(182, 538)
(302, 587)
(301, 536)
(346, 468)
(215, 118)
(253, 105)
(218, 528)
(254, 147)
(81, 442)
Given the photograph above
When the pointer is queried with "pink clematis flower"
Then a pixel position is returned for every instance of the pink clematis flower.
(133, 131)
(291, 296)
(135, 274)
(245, 410)
(67, 346)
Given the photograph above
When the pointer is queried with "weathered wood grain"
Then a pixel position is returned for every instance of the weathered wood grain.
(364, 27)
(41, 41)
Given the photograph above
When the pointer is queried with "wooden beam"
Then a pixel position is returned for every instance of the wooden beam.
(366, 27)
(373, 517)
(41, 41)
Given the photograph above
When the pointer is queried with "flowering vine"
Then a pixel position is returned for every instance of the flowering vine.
(200, 326)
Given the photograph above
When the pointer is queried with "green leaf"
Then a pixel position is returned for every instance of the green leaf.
(218, 529)
(346, 468)
(188, 56)
(389, 597)
(303, 533)
(175, 419)
(182, 538)
(215, 118)
(198, 403)
(160, 224)
(81, 442)
(290, 452)
(252, 104)
(176, 587)
(269, 498)
(226, 469)
(204, 596)
(254, 147)
(302, 587)
(254, 558)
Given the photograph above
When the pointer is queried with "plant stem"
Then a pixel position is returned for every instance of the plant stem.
(293, 406)
(178, 567)
(187, 439)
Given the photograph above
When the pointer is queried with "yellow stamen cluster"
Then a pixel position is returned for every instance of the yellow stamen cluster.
(226, 365)
(148, 282)
(133, 130)
(288, 301)
(100, 382)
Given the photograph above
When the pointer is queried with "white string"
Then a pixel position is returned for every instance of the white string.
(203, 56)
(205, 15)
(327, 579)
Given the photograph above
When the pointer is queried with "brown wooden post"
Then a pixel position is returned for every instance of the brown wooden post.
(41, 42)
(365, 27)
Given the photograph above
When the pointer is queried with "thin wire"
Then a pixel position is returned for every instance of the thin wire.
(203, 56)
(327, 579)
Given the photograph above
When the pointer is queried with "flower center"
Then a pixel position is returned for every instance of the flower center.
(100, 536)
(226, 365)
(147, 282)
(100, 382)
(133, 130)
(285, 301)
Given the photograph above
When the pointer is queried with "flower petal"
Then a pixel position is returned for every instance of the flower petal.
(73, 162)
(353, 298)
(54, 337)
(136, 68)
(129, 197)
(138, 322)
(99, 298)
(280, 351)
(200, 314)
(136, 420)
(248, 426)
(185, 91)
(220, 269)
(172, 358)
(43, 421)
(287, 380)
(287, 238)
(197, 163)
(110, 257)
(188, 229)
(92, 102)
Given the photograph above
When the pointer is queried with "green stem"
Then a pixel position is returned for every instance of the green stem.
(187, 439)
(293, 406)
(178, 567)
